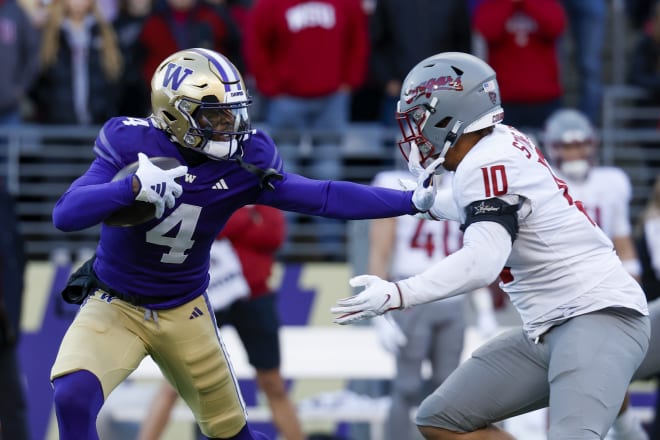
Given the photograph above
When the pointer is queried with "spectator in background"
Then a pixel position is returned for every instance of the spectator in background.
(181, 24)
(18, 48)
(440, 26)
(13, 408)
(401, 247)
(307, 57)
(81, 65)
(587, 22)
(645, 60)
(521, 38)
(242, 258)
(638, 12)
(234, 43)
(134, 92)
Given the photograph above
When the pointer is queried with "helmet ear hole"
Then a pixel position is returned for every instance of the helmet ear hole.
(443, 122)
(169, 116)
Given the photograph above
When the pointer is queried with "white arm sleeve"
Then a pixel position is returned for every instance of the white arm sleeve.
(444, 207)
(486, 247)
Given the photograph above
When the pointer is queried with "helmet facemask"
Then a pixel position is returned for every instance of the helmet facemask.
(412, 123)
(575, 158)
(215, 129)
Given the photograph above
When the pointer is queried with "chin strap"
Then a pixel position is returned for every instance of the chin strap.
(265, 176)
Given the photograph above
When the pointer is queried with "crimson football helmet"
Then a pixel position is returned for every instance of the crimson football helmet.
(444, 96)
(200, 98)
(571, 143)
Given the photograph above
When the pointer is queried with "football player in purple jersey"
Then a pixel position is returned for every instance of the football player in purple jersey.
(146, 286)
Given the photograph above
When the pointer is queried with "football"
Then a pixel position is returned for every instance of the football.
(138, 212)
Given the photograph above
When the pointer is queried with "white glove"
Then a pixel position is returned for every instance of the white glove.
(390, 335)
(424, 194)
(378, 297)
(157, 186)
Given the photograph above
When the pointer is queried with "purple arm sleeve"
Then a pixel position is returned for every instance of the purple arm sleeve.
(337, 199)
(92, 198)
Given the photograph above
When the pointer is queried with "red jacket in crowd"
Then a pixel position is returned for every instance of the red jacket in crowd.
(307, 48)
(167, 31)
(256, 232)
(522, 38)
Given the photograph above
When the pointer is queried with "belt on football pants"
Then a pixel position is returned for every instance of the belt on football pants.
(84, 282)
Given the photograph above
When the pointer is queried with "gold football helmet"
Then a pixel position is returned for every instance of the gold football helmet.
(200, 98)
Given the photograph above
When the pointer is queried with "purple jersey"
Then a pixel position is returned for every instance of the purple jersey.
(169, 257)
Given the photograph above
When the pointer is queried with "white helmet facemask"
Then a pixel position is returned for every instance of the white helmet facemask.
(575, 169)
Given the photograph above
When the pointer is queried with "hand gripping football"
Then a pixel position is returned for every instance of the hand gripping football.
(138, 212)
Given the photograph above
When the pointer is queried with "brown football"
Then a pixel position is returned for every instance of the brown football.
(137, 212)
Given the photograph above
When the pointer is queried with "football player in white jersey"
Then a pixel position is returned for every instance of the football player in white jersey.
(398, 248)
(585, 319)
(572, 144)
(605, 191)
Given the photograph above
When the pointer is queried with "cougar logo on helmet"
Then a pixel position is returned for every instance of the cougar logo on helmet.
(432, 85)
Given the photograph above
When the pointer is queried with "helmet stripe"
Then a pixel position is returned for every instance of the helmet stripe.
(227, 70)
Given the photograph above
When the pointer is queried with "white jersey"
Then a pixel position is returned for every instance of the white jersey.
(605, 194)
(419, 242)
(560, 265)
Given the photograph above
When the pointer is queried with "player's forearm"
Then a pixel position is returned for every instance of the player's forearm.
(477, 264)
(338, 199)
(83, 206)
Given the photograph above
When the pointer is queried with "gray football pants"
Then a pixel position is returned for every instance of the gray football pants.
(580, 369)
(435, 331)
(651, 364)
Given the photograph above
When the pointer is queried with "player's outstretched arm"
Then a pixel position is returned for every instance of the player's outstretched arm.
(486, 248)
(339, 199)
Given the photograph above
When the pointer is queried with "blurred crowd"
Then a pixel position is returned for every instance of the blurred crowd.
(319, 65)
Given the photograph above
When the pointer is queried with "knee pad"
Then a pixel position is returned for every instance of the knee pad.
(80, 391)
(78, 398)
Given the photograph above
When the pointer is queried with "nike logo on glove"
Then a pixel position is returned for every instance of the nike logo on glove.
(387, 299)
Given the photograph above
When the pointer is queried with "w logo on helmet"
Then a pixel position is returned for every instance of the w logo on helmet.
(175, 74)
